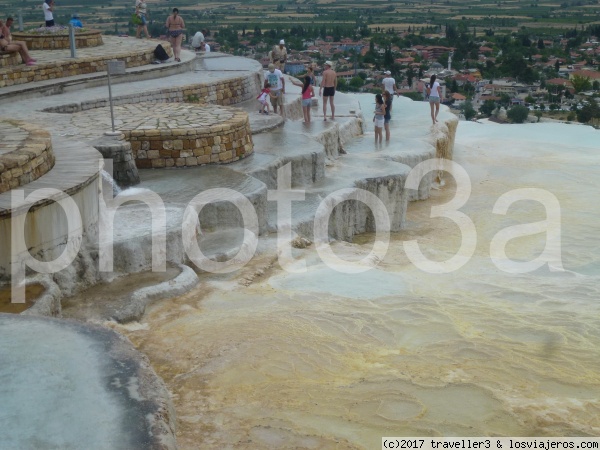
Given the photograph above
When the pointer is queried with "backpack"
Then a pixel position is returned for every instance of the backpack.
(160, 53)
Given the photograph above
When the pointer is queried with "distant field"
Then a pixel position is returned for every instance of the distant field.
(503, 16)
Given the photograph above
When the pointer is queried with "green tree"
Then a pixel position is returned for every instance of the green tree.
(504, 100)
(589, 113)
(487, 108)
(538, 114)
(581, 83)
(416, 96)
(468, 110)
(540, 44)
(454, 86)
(356, 83)
(518, 114)
(388, 59)
(342, 85)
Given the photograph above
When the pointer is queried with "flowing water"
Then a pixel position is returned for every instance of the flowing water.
(327, 360)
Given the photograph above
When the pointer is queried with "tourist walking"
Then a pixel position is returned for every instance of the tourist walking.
(308, 93)
(434, 91)
(48, 12)
(141, 9)
(277, 86)
(327, 89)
(279, 56)
(8, 45)
(389, 83)
(379, 118)
(175, 25)
(387, 99)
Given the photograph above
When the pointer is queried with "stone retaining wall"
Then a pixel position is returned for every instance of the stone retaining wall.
(216, 144)
(53, 41)
(224, 93)
(124, 171)
(10, 59)
(25, 74)
(24, 160)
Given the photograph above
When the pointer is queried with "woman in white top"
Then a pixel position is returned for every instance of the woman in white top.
(48, 16)
(141, 11)
(435, 94)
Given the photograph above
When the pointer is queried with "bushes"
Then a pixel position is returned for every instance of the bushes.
(518, 114)
(468, 110)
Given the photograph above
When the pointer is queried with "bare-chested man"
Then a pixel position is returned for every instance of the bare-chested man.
(327, 89)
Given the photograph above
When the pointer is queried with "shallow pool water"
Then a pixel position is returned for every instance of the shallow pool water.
(334, 361)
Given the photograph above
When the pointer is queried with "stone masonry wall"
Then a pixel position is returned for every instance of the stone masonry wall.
(91, 38)
(10, 59)
(224, 93)
(217, 144)
(10, 76)
(27, 159)
(124, 171)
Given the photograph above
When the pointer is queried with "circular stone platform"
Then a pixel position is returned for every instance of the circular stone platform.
(25, 153)
(59, 39)
(176, 134)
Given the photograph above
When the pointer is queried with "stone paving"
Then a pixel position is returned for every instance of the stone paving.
(150, 116)
(25, 154)
(11, 137)
(57, 64)
(62, 125)
(113, 46)
(174, 134)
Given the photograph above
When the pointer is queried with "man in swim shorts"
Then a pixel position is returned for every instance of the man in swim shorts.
(327, 89)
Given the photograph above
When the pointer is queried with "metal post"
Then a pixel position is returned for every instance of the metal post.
(113, 67)
(20, 18)
(72, 41)
(112, 116)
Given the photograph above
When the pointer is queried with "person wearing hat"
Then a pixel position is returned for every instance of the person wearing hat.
(75, 21)
(389, 84)
(327, 89)
(279, 56)
(277, 85)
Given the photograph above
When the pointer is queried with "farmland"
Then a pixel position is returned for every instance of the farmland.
(113, 16)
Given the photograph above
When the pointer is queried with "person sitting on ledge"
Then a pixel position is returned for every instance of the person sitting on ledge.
(197, 41)
(76, 22)
(8, 45)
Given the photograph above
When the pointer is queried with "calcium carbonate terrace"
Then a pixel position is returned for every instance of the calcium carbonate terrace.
(158, 114)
